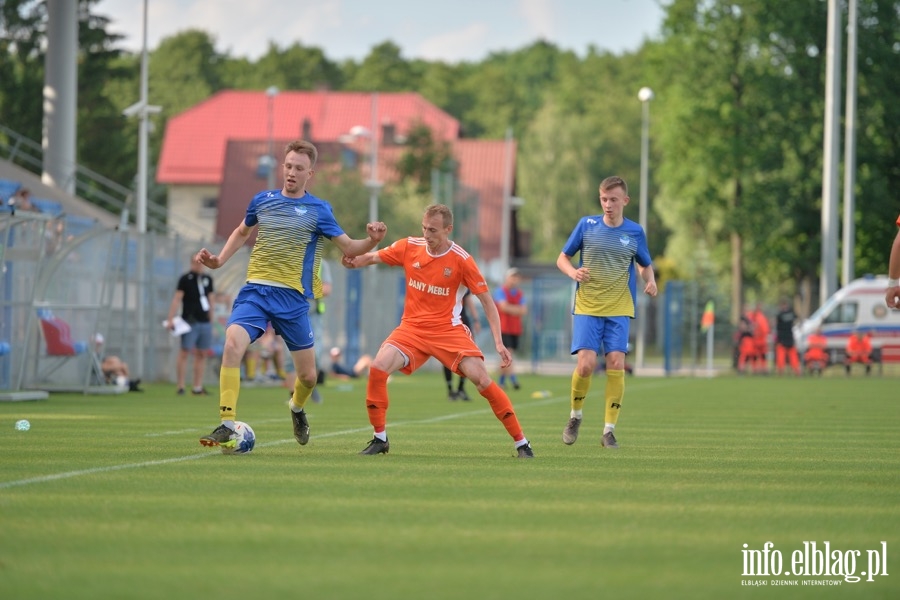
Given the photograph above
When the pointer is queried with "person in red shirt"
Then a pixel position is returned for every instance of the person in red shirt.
(816, 355)
(761, 331)
(859, 350)
(437, 271)
(510, 303)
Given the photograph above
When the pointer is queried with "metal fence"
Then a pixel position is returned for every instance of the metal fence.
(120, 285)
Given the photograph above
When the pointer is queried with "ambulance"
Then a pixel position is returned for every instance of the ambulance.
(858, 306)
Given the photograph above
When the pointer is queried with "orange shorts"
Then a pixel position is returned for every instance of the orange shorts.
(449, 345)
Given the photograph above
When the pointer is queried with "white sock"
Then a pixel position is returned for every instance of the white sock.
(609, 427)
(576, 414)
(229, 424)
(522, 442)
(382, 436)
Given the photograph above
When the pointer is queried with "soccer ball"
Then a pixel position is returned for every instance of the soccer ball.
(246, 439)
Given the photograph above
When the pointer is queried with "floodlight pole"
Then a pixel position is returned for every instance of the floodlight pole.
(645, 95)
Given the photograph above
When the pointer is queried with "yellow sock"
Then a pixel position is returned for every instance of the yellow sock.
(615, 391)
(580, 387)
(301, 395)
(229, 388)
(250, 365)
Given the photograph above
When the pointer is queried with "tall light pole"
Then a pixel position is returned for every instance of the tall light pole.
(373, 183)
(142, 109)
(645, 95)
(271, 92)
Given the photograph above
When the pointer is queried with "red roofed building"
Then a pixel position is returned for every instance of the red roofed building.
(235, 128)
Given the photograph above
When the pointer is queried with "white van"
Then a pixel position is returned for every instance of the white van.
(858, 306)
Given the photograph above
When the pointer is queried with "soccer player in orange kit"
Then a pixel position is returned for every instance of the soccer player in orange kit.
(438, 272)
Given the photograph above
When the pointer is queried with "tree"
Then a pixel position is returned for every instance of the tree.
(293, 68)
(422, 156)
(22, 66)
(383, 70)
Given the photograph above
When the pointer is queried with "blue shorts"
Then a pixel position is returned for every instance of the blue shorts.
(198, 338)
(600, 334)
(286, 309)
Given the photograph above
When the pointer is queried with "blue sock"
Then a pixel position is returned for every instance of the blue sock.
(502, 381)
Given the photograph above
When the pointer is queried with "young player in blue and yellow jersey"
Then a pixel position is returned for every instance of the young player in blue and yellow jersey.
(613, 252)
(292, 226)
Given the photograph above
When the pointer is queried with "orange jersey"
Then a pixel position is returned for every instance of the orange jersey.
(817, 340)
(859, 346)
(435, 285)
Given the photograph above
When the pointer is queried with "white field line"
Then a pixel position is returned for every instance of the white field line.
(153, 463)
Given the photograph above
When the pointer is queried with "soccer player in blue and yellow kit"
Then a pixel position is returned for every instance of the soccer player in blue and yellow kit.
(610, 246)
(292, 226)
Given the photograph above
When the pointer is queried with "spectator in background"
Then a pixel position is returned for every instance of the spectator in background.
(761, 332)
(510, 302)
(785, 349)
(193, 295)
(859, 350)
(341, 371)
(22, 201)
(115, 370)
(816, 355)
(745, 349)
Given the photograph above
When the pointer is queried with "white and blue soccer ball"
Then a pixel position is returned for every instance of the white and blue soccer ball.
(245, 439)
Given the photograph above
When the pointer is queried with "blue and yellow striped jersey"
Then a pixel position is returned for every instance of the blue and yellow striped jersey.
(609, 253)
(290, 240)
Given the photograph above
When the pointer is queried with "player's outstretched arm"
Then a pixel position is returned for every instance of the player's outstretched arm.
(236, 240)
(375, 232)
(363, 260)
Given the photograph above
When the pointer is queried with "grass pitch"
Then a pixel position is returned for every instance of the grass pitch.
(113, 497)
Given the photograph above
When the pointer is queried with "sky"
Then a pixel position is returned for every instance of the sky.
(435, 30)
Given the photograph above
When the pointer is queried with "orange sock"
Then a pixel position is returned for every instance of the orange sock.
(377, 398)
(503, 409)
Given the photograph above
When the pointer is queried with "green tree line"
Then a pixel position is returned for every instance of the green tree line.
(736, 126)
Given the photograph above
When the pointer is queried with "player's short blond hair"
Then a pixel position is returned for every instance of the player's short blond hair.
(303, 147)
(440, 209)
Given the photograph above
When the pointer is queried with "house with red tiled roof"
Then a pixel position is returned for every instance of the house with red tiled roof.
(245, 125)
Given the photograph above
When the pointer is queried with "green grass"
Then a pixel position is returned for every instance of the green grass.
(113, 497)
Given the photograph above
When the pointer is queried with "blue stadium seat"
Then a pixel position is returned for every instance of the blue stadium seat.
(50, 207)
(76, 226)
(8, 187)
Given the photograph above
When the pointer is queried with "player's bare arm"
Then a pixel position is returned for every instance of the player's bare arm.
(649, 280)
(236, 240)
(363, 260)
(564, 264)
(375, 232)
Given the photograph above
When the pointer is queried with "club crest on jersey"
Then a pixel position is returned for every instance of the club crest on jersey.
(625, 240)
(447, 271)
(300, 210)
